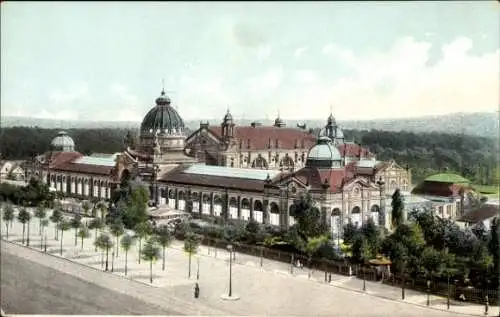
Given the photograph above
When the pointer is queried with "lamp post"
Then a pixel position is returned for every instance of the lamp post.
(112, 261)
(448, 295)
(156, 171)
(428, 292)
(381, 183)
(197, 268)
(230, 249)
(364, 280)
(45, 244)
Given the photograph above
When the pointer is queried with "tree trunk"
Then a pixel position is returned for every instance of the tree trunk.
(62, 233)
(41, 239)
(189, 268)
(140, 251)
(163, 264)
(28, 235)
(7, 225)
(55, 231)
(76, 236)
(24, 228)
(117, 245)
(82, 242)
(151, 271)
(95, 237)
(40, 227)
(126, 253)
(107, 256)
(11, 222)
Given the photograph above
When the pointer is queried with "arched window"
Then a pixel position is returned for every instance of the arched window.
(260, 162)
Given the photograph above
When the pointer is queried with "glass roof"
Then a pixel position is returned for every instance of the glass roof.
(102, 161)
(367, 163)
(232, 172)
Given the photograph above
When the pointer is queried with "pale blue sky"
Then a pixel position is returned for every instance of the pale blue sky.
(106, 61)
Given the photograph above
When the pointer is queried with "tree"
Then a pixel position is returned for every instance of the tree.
(95, 224)
(313, 245)
(44, 223)
(350, 233)
(63, 225)
(103, 208)
(126, 243)
(8, 216)
(24, 217)
(104, 243)
(135, 210)
(40, 213)
(151, 252)
(191, 243)
(252, 229)
(56, 218)
(308, 217)
(142, 230)
(164, 239)
(83, 233)
(75, 223)
(86, 207)
(117, 230)
(494, 246)
(397, 205)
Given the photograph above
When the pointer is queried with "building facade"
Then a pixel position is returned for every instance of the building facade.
(238, 173)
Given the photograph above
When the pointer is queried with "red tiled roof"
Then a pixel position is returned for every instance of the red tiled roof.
(288, 138)
(58, 158)
(438, 189)
(84, 168)
(484, 212)
(316, 177)
(353, 150)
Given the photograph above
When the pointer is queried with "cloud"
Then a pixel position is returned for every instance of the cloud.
(74, 92)
(248, 36)
(459, 82)
(266, 82)
(299, 51)
(306, 76)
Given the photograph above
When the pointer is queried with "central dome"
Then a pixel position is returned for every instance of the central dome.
(163, 118)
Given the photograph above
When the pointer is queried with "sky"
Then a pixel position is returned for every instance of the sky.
(105, 61)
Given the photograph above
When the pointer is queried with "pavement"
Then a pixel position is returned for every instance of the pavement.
(267, 290)
(60, 293)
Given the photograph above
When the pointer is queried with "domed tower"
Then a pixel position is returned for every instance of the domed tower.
(324, 155)
(162, 132)
(227, 126)
(333, 131)
(63, 143)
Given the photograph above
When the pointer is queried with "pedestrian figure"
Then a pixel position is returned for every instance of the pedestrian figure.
(462, 297)
(196, 291)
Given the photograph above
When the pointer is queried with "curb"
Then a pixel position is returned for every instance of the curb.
(173, 308)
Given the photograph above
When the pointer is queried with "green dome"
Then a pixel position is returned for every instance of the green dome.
(447, 178)
(163, 118)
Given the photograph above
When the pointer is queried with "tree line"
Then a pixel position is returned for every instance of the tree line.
(426, 153)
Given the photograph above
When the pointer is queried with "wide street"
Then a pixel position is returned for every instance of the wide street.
(31, 288)
(270, 290)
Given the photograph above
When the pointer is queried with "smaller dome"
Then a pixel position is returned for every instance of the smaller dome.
(331, 119)
(63, 142)
(228, 116)
(323, 154)
(163, 100)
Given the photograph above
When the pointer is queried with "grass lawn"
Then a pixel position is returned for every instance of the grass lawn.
(487, 189)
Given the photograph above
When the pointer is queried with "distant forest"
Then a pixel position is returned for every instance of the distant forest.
(425, 153)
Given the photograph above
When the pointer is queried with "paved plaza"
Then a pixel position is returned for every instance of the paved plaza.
(267, 290)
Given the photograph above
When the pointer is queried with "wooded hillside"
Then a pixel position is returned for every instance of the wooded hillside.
(426, 153)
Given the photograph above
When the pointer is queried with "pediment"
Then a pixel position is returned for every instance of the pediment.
(359, 183)
(202, 136)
